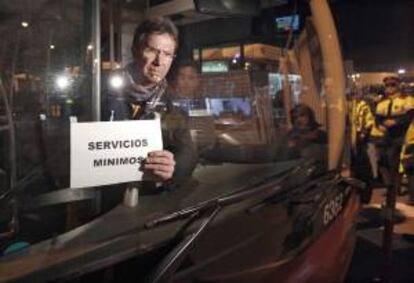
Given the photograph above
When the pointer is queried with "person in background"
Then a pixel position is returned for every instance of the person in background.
(407, 161)
(362, 118)
(306, 139)
(393, 115)
(141, 93)
(362, 121)
(187, 96)
(186, 87)
(373, 95)
(187, 81)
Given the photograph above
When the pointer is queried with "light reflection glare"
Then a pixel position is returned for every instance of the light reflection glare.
(116, 81)
(62, 82)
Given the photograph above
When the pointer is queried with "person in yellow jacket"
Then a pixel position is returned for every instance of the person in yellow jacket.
(407, 161)
(393, 115)
(362, 121)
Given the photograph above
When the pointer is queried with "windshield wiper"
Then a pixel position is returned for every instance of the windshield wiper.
(208, 211)
(247, 191)
(172, 261)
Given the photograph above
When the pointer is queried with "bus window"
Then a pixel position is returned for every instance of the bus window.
(241, 100)
(45, 79)
(239, 90)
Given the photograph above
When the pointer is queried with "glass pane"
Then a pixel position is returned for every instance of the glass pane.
(243, 105)
(45, 74)
(241, 97)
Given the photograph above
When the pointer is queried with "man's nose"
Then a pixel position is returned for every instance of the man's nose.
(157, 59)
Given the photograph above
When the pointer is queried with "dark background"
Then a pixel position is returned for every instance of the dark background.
(377, 35)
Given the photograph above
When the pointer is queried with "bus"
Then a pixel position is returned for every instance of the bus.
(270, 197)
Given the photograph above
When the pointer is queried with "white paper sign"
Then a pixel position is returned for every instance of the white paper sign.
(103, 153)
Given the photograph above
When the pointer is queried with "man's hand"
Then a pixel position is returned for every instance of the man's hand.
(161, 164)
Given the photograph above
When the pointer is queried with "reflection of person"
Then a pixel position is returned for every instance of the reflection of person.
(186, 87)
(187, 81)
(187, 96)
(305, 129)
(140, 93)
(305, 138)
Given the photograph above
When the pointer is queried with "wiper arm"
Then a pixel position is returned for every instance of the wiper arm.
(207, 211)
(181, 214)
(175, 257)
(247, 191)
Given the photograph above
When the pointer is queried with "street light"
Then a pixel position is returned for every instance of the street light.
(401, 71)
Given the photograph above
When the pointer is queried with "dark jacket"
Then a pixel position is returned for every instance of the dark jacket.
(304, 137)
(132, 102)
(308, 143)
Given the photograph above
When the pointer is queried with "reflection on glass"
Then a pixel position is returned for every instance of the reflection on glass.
(45, 72)
(233, 104)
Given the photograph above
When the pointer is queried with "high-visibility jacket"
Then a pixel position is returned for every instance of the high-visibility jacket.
(399, 108)
(376, 134)
(362, 120)
(407, 151)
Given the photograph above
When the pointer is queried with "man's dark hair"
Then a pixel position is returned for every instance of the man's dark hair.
(183, 64)
(154, 25)
(304, 110)
(192, 64)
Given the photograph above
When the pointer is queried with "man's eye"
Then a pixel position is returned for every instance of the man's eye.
(153, 50)
(168, 54)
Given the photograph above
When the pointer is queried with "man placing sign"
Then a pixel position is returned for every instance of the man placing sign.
(138, 92)
(142, 95)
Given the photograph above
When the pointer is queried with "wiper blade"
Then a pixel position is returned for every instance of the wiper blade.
(181, 214)
(247, 191)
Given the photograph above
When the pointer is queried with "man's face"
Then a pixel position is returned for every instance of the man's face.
(154, 57)
(391, 88)
(302, 121)
(187, 81)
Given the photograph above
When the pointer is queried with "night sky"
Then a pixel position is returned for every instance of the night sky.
(377, 35)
